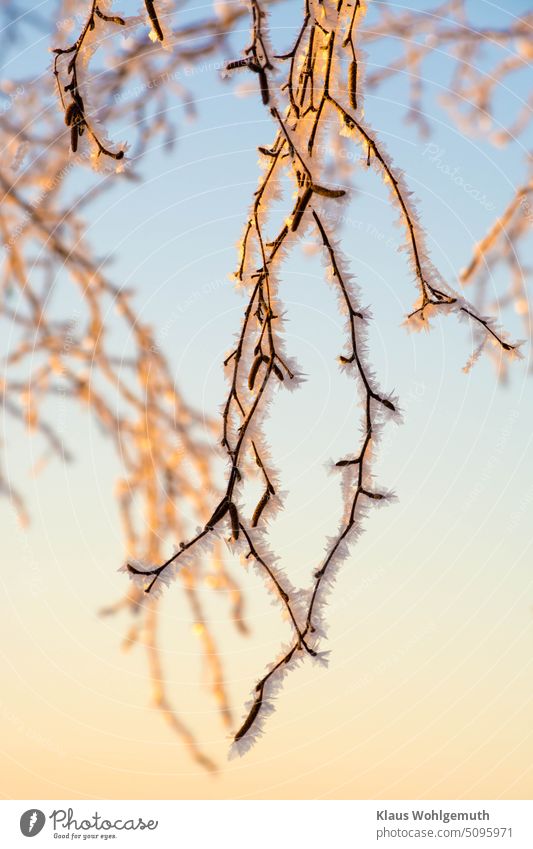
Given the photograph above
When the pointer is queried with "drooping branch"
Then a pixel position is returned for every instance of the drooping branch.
(500, 229)
(161, 442)
(481, 62)
(72, 99)
(314, 96)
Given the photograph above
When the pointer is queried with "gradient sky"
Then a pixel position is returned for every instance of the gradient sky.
(429, 689)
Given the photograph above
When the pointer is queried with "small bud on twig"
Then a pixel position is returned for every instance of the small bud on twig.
(218, 514)
(352, 84)
(301, 206)
(260, 358)
(234, 516)
(260, 507)
(154, 20)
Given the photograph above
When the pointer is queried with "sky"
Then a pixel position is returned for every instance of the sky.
(428, 694)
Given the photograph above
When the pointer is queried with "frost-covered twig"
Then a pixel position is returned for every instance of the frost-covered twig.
(71, 97)
(482, 61)
(357, 488)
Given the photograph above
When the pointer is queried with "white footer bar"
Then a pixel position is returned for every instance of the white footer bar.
(268, 824)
